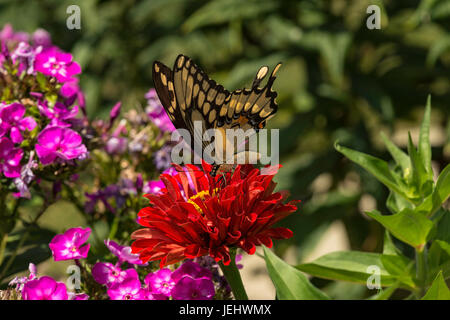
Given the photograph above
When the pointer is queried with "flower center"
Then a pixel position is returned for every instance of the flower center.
(202, 195)
(74, 249)
(56, 66)
(127, 297)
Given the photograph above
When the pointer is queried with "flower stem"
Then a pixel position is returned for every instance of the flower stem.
(421, 269)
(231, 273)
(3, 242)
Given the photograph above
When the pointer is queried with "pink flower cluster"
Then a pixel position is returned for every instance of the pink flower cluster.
(45, 125)
(33, 287)
(188, 282)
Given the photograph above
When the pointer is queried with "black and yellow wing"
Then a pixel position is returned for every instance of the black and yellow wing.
(188, 95)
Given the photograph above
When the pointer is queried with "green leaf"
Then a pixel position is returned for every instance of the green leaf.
(420, 175)
(424, 140)
(397, 154)
(42, 80)
(443, 226)
(400, 267)
(396, 203)
(289, 282)
(407, 225)
(350, 266)
(440, 194)
(438, 289)
(444, 246)
(388, 245)
(379, 168)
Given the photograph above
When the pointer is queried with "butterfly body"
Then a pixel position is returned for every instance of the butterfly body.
(189, 95)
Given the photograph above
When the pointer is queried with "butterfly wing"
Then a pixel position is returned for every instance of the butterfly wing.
(200, 98)
(164, 86)
(248, 110)
(189, 95)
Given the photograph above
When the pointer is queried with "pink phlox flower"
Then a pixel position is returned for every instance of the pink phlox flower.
(14, 122)
(70, 244)
(41, 37)
(188, 288)
(58, 64)
(77, 296)
(193, 282)
(59, 114)
(160, 282)
(19, 282)
(129, 289)
(59, 143)
(44, 288)
(26, 177)
(123, 253)
(10, 158)
(108, 274)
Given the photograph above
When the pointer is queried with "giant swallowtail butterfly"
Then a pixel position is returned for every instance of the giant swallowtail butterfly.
(188, 95)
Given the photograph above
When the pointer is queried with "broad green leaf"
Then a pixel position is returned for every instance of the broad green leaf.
(289, 282)
(400, 267)
(379, 168)
(424, 140)
(438, 290)
(440, 194)
(397, 154)
(407, 225)
(353, 266)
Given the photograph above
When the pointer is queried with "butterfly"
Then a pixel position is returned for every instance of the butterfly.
(189, 95)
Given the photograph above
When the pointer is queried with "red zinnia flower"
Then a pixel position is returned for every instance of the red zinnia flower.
(195, 216)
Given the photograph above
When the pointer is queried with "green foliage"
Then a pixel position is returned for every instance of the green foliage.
(407, 225)
(348, 266)
(417, 220)
(290, 283)
(438, 290)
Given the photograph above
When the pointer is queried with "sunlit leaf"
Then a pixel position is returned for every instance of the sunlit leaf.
(379, 168)
(438, 290)
(289, 282)
(397, 154)
(407, 225)
(353, 266)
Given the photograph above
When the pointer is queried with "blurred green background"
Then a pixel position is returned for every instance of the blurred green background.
(339, 81)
